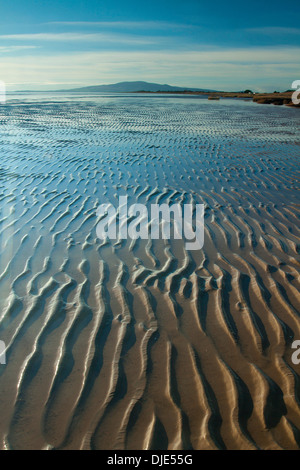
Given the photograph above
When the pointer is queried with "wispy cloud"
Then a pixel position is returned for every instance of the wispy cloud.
(219, 69)
(80, 37)
(126, 24)
(9, 49)
(273, 30)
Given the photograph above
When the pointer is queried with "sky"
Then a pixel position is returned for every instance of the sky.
(230, 46)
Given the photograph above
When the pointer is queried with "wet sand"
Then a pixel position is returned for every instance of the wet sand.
(142, 344)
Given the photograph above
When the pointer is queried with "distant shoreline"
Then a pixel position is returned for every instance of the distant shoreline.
(278, 99)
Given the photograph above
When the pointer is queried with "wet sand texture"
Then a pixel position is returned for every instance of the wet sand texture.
(142, 344)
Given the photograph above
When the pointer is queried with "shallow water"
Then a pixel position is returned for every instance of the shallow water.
(142, 344)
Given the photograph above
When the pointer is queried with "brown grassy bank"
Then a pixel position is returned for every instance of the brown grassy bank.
(278, 99)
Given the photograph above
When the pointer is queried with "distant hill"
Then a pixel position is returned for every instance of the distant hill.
(131, 87)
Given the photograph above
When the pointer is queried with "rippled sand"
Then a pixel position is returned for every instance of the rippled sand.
(141, 344)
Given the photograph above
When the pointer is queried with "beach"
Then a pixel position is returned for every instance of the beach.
(276, 98)
(142, 344)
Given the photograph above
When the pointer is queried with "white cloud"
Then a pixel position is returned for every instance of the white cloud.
(126, 24)
(79, 37)
(274, 30)
(8, 49)
(219, 69)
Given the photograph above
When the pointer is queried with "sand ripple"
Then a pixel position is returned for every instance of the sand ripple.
(141, 344)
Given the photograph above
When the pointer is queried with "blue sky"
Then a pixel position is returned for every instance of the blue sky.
(210, 44)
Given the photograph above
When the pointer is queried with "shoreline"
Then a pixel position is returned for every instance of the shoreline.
(278, 99)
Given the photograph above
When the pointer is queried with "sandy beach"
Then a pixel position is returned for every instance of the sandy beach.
(141, 344)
